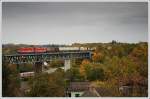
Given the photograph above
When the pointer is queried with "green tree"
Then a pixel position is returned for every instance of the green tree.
(48, 85)
(57, 63)
(96, 74)
(10, 80)
(26, 68)
(73, 74)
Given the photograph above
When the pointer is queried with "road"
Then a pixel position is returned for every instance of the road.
(51, 70)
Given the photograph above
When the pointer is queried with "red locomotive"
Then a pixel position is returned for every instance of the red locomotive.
(25, 50)
(40, 50)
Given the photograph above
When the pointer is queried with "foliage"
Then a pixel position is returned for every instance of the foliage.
(73, 74)
(97, 57)
(111, 64)
(139, 56)
(95, 74)
(85, 68)
(91, 71)
(48, 85)
(10, 81)
(56, 63)
(26, 67)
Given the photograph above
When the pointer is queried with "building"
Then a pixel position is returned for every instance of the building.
(81, 89)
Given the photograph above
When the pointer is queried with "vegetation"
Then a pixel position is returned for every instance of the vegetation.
(112, 66)
(48, 85)
(56, 63)
(26, 68)
(10, 81)
(121, 64)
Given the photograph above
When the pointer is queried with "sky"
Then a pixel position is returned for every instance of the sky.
(74, 22)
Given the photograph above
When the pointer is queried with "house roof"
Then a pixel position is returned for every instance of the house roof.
(89, 94)
(104, 92)
(78, 86)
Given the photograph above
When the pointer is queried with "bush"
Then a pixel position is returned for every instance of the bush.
(96, 74)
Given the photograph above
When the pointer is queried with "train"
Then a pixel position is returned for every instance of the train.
(24, 50)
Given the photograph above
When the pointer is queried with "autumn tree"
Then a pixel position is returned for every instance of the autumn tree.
(57, 63)
(73, 74)
(96, 74)
(48, 85)
(97, 57)
(10, 77)
(85, 68)
(139, 55)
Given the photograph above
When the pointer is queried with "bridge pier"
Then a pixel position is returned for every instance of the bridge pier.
(38, 67)
(18, 67)
(67, 64)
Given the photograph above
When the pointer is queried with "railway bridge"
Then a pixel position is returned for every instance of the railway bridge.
(38, 58)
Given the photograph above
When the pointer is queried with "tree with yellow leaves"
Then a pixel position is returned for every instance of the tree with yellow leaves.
(97, 57)
(84, 67)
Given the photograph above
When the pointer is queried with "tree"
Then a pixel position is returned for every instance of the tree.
(84, 68)
(26, 68)
(91, 71)
(10, 81)
(113, 67)
(73, 74)
(96, 74)
(57, 63)
(97, 57)
(139, 56)
(48, 85)
(114, 42)
(119, 67)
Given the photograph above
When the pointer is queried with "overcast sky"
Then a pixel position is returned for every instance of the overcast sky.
(66, 23)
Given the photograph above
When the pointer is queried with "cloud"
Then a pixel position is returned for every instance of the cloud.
(74, 22)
